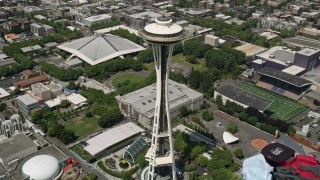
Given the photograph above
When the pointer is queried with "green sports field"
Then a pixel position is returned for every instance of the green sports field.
(282, 107)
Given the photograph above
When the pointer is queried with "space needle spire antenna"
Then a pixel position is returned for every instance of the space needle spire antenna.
(162, 36)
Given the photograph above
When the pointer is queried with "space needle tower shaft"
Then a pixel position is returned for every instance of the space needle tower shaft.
(162, 36)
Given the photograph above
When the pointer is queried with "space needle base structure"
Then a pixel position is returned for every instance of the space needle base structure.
(162, 36)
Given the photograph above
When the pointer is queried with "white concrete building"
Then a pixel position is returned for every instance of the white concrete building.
(140, 104)
(88, 21)
(112, 139)
(41, 91)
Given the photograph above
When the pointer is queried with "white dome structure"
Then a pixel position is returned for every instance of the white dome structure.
(41, 167)
(229, 138)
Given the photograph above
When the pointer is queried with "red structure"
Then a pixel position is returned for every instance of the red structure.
(71, 162)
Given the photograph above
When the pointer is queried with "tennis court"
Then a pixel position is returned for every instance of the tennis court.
(282, 107)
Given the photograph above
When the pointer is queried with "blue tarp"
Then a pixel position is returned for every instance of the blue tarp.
(70, 90)
(43, 106)
(256, 168)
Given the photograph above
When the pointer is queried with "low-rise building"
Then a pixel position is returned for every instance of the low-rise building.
(26, 83)
(122, 136)
(27, 103)
(17, 26)
(31, 49)
(139, 105)
(12, 38)
(34, 10)
(55, 89)
(272, 22)
(310, 14)
(212, 40)
(88, 21)
(16, 148)
(41, 29)
(310, 32)
(41, 91)
(139, 20)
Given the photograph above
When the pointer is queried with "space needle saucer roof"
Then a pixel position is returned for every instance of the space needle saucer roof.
(163, 30)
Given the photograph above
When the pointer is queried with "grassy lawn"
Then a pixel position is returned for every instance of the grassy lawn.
(83, 153)
(131, 78)
(200, 66)
(283, 108)
(82, 126)
(149, 66)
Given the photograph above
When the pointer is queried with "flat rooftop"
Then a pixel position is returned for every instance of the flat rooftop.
(27, 99)
(14, 145)
(313, 75)
(111, 137)
(31, 48)
(279, 54)
(288, 78)
(244, 97)
(98, 17)
(250, 49)
(144, 99)
(147, 14)
(40, 86)
(308, 51)
(294, 70)
(303, 42)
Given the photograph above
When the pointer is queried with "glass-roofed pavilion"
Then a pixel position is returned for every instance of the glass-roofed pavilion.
(135, 149)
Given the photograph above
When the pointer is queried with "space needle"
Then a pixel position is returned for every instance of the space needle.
(162, 36)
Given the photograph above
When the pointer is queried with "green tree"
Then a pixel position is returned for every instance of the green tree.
(252, 120)
(191, 167)
(219, 102)
(111, 117)
(243, 116)
(232, 128)
(192, 59)
(145, 56)
(184, 111)
(181, 142)
(67, 136)
(64, 103)
(72, 85)
(3, 106)
(202, 161)
(197, 150)
(126, 176)
(239, 153)
(206, 115)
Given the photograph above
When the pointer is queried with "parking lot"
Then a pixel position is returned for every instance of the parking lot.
(53, 59)
(246, 134)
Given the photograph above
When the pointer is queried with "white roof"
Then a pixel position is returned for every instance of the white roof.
(111, 137)
(98, 17)
(99, 48)
(229, 138)
(305, 128)
(53, 102)
(41, 167)
(27, 99)
(3, 93)
(76, 99)
(163, 28)
(106, 30)
(294, 70)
